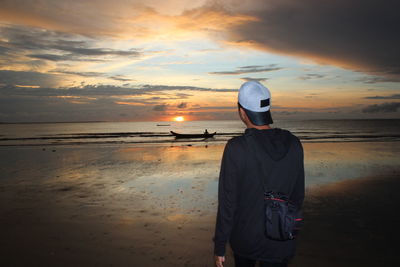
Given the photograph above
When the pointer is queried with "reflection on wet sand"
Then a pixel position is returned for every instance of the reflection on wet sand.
(331, 162)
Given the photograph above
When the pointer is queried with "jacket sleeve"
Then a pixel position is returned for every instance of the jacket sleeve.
(299, 188)
(227, 197)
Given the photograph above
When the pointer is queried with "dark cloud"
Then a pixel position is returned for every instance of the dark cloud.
(83, 73)
(395, 96)
(65, 57)
(82, 50)
(359, 34)
(48, 82)
(4, 50)
(378, 79)
(9, 77)
(50, 57)
(382, 108)
(216, 107)
(55, 46)
(38, 78)
(86, 102)
(39, 109)
(247, 79)
(179, 88)
(120, 78)
(310, 76)
(162, 107)
(248, 69)
(182, 105)
(285, 112)
(90, 102)
(183, 95)
(168, 96)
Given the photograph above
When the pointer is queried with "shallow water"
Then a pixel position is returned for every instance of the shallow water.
(171, 179)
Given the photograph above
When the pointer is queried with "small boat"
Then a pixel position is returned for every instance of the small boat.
(163, 124)
(203, 135)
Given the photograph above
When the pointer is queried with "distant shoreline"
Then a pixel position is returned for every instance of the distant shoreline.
(328, 119)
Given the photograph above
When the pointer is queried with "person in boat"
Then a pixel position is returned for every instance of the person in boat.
(206, 132)
(241, 211)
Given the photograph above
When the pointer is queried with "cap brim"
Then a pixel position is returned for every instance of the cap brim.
(259, 118)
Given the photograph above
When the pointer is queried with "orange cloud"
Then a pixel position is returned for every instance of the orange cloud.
(122, 20)
(27, 86)
(129, 103)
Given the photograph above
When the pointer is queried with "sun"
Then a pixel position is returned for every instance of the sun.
(179, 118)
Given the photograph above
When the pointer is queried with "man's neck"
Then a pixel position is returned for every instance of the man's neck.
(262, 127)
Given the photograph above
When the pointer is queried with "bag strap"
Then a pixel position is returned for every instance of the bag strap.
(263, 177)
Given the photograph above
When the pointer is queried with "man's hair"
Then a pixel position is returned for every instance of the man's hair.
(258, 118)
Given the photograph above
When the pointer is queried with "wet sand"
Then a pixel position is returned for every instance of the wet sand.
(352, 223)
(114, 206)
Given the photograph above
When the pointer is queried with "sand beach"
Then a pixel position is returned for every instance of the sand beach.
(114, 205)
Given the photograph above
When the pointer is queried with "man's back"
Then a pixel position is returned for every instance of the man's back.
(263, 159)
(274, 155)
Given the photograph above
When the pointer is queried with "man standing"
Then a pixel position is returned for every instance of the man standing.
(273, 154)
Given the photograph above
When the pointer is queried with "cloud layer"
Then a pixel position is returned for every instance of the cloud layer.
(99, 102)
(36, 43)
(248, 69)
(382, 108)
(359, 34)
(395, 96)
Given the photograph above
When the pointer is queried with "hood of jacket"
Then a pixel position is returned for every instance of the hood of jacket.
(276, 142)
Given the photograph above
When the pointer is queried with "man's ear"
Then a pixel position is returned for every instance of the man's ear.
(243, 114)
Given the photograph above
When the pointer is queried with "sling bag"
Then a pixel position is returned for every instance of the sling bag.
(282, 218)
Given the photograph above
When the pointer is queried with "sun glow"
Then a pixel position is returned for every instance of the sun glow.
(179, 118)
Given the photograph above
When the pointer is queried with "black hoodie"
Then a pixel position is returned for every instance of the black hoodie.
(276, 153)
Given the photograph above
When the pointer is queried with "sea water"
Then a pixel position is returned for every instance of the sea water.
(159, 133)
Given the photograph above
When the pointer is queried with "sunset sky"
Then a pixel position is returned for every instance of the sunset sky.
(131, 60)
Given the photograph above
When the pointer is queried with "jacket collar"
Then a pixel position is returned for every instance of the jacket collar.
(250, 131)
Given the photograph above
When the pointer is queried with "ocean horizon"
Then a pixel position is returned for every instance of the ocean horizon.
(159, 133)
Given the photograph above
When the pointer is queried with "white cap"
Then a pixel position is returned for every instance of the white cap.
(255, 99)
(254, 96)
